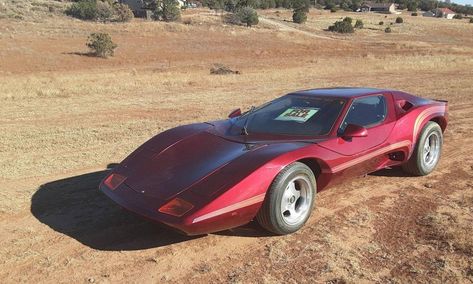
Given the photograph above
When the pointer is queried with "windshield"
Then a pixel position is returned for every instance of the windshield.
(294, 115)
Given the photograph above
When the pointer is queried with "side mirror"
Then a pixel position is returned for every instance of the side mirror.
(353, 130)
(235, 113)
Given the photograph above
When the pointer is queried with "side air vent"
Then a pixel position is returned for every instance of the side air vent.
(404, 105)
(397, 156)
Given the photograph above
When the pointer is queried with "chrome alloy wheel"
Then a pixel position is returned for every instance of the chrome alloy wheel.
(295, 203)
(431, 150)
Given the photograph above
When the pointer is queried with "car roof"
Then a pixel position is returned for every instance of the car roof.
(341, 92)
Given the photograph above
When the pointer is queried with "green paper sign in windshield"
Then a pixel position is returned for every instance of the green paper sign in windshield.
(297, 114)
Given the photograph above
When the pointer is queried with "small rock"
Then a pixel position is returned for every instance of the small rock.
(220, 69)
(203, 268)
(336, 281)
(438, 263)
(233, 276)
(428, 185)
(91, 280)
(469, 271)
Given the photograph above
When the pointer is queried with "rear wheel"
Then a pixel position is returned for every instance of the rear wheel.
(289, 200)
(427, 151)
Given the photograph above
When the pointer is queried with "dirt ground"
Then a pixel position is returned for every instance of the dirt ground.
(66, 117)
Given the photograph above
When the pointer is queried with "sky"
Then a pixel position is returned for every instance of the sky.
(463, 2)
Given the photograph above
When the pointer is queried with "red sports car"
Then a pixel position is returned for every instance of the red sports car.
(269, 162)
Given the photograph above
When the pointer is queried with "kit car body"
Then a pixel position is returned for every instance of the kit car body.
(221, 178)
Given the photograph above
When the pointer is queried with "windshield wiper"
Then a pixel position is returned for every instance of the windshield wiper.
(244, 130)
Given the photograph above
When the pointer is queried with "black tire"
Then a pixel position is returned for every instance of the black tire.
(417, 165)
(271, 217)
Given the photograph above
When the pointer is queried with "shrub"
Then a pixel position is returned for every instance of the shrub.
(414, 14)
(104, 11)
(399, 20)
(123, 13)
(345, 5)
(100, 10)
(387, 30)
(333, 9)
(101, 44)
(247, 16)
(471, 20)
(329, 6)
(249, 3)
(301, 5)
(342, 27)
(230, 5)
(458, 16)
(84, 9)
(301, 8)
(213, 4)
(167, 10)
(267, 4)
(381, 23)
(348, 20)
(358, 24)
(412, 6)
(299, 16)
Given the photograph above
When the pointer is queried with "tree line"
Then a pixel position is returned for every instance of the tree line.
(348, 5)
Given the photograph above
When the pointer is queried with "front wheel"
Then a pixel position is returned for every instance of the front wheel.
(289, 200)
(427, 151)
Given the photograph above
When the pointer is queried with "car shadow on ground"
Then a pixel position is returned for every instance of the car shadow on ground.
(75, 207)
(87, 54)
(391, 172)
(251, 230)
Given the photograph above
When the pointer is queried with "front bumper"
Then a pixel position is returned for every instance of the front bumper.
(148, 207)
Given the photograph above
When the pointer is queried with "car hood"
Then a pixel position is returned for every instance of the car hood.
(194, 156)
(162, 171)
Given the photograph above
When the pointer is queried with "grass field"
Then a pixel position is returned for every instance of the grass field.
(65, 116)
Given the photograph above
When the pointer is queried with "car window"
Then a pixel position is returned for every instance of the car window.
(294, 115)
(366, 112)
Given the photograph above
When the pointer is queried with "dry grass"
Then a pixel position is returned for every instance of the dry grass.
(33, 10)
(84, 115)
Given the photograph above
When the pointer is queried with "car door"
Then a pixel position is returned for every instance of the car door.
(375, 113)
